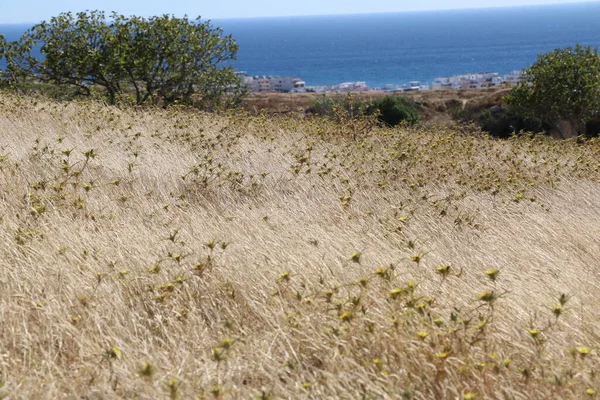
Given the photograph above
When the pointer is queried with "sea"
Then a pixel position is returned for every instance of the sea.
(396, 48)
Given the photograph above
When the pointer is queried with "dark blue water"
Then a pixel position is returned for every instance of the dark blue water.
(400, 47)
(13, 31)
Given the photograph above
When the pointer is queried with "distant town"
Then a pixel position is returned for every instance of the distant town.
(278, 84)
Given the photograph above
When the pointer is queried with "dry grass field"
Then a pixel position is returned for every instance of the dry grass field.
(173, 254)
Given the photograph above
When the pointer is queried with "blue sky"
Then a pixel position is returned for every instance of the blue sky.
(19, 11)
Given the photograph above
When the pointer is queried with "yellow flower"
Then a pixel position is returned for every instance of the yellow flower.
(347, 316)
(492, 274)
(583, 351)
(534, 332)
(488, 297)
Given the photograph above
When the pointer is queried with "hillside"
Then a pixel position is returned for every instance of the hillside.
(175, 254)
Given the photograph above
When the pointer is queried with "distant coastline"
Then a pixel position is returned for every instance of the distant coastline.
(278, 84)
(399, 48)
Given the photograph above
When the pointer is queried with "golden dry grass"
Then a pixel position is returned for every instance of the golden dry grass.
(171, 254)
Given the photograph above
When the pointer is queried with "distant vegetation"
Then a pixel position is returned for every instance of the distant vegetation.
(160, 60)
(561, 89)
(559, 94)
(167, 60)
(390, 110)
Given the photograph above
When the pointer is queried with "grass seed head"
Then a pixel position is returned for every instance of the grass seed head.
(147, 370)
(443, 270)
(534, 333)
(492, 274)
(347, 316)
(114, 352)
(583, 351)
(488, 297)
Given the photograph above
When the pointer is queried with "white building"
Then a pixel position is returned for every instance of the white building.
(299, 86)
(272, 84)
(514, 77)
(407, 87)
(342, 87)
(468, 81)
(441, 83)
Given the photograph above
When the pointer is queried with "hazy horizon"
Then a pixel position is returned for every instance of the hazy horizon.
(565, 4)
(8, 17)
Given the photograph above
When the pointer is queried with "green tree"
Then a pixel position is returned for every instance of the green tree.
(2, 51)
(562, 89)
(161, 59)
(78, 51)
(15, 57)
(175, 59)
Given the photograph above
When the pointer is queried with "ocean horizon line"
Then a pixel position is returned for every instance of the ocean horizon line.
(400, 47)
(359, 14)
(403, 12)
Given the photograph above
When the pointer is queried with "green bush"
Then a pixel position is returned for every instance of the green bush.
(322, 106)
(500, 123)
(347, 108)
(560, 89)
(392, 110)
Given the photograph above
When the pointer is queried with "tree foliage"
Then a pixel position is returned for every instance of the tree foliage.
(561, 88)
(174, 58)
(15, 57)
(161, 59)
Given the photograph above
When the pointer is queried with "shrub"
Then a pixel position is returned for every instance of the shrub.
(392, 110)
(347, 108)
(500, 123)
(561, 89)
(323, 106)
